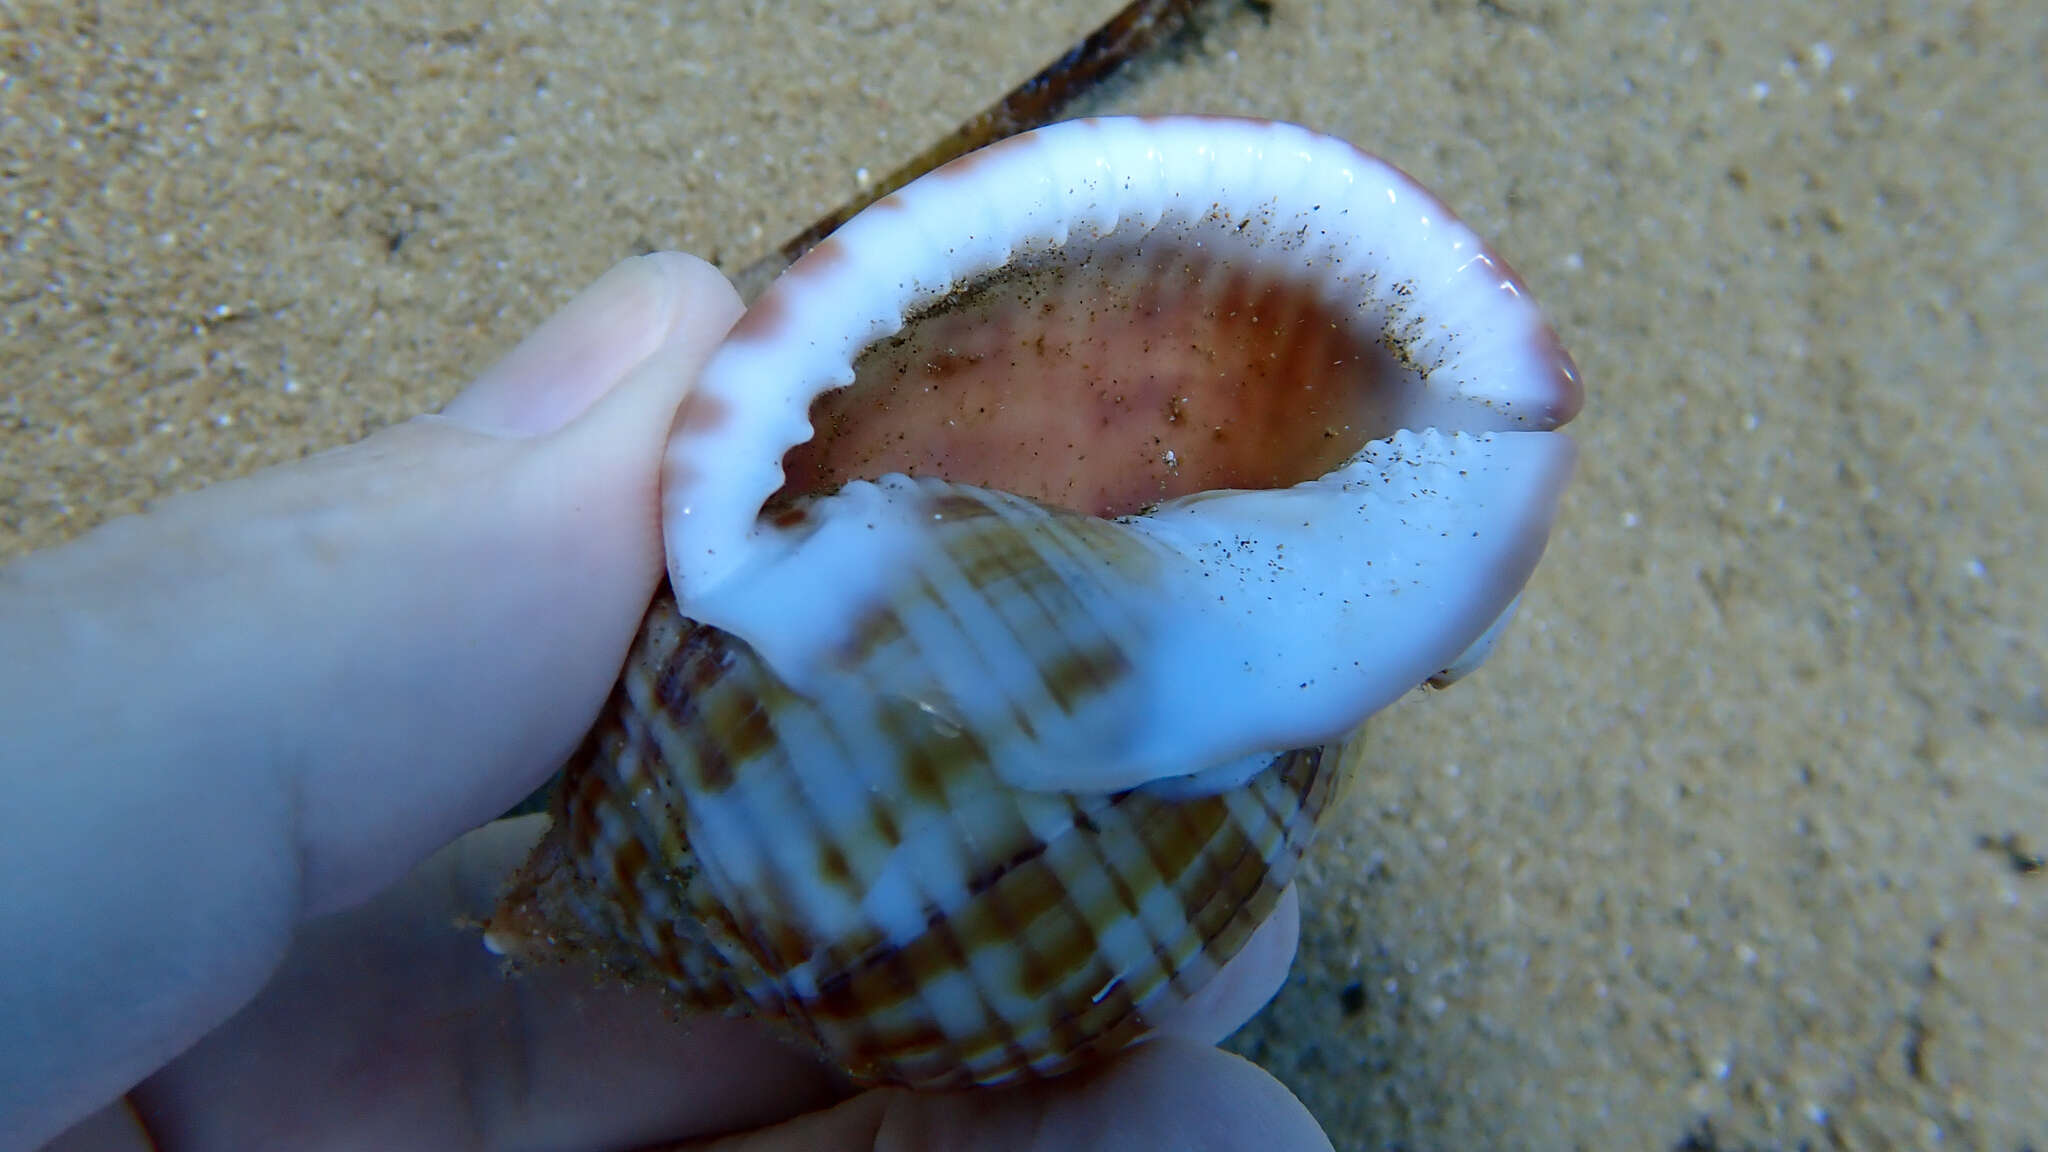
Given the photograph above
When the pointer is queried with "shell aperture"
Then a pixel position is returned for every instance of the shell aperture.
(1410, 461)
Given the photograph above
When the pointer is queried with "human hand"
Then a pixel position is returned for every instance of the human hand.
(238, 725)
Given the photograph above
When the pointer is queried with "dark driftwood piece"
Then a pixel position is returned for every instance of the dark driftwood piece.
(1134, 31)
(1137, 29)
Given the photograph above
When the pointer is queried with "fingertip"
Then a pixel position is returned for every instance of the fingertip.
(700, 285)
(705, 307)
(616, 447)
(1204, 1098)
(587, 348)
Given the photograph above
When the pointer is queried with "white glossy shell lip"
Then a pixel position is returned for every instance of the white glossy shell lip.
(1442, 524)
(1491, 360)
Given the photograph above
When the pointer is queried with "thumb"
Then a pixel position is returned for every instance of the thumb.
(272, 697)
(548, 524)
(511, 551)
(581, 353)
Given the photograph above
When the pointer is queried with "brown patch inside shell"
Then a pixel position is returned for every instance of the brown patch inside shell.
(1133, 374)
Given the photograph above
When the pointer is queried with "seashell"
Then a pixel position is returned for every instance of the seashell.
(1037, 543)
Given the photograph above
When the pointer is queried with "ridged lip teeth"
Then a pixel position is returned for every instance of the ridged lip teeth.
(1359, 229)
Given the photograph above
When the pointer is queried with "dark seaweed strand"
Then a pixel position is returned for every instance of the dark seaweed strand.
(1131, 33)
(1136, 30)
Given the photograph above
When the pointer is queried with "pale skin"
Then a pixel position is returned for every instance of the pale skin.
(254, 739)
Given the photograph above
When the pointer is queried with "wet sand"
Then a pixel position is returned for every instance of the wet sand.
(1737, 842)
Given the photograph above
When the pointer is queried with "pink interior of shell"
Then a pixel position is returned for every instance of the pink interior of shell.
(1107, 380)
(1105, 314)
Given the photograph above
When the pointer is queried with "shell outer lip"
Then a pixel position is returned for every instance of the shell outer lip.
(1492, 368)
(724, 458)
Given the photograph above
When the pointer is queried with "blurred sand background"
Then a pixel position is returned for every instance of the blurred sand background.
(1737, 841)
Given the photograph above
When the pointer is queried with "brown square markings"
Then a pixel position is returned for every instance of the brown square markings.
(954, 505)
(1025, 904)
(883, 823)
(1036, 605)
(881, 979)
(766, 921)
(1235, 897)
(1174, 833)
(724, 932)
(1252, 869)
(1086, 1005)
(993, 899)
(881, 1002)
(874, 1057)
(671, 685)
(1082, 673)
(878, 628)
(1064, 943)
(1074, 659)
(711, 706)
(1176, 836)
(1301, 789)
(898, 1036)
(589, 784)
(689, 754)
(1081, 1012)
(957, 953)
(838, 870)
(733, 728)
(627, 861)
(994, 551)
(1126, 891)
(933, 761)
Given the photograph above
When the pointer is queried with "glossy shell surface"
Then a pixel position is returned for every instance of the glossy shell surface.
(1001, 692)
(922, 922)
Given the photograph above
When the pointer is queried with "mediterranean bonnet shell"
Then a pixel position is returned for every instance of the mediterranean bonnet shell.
(1001, 691)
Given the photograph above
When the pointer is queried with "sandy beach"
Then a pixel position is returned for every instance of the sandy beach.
(1738, 840)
